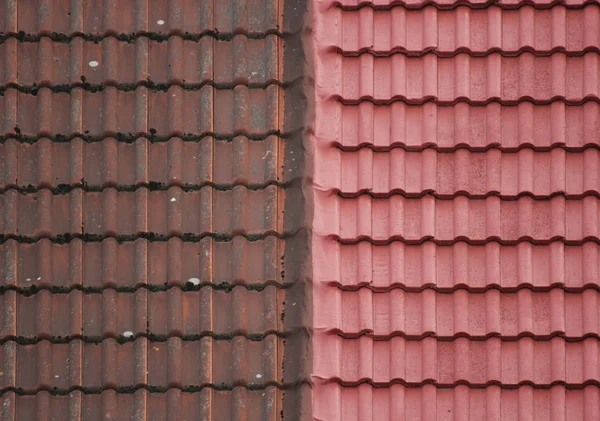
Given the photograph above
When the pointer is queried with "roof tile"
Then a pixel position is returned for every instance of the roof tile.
(461, 125)
(236, 403)
(187, 112)
(475, 174)
(452, 4)
(365, 402)
(476, 363)
(153, 134)
(174, 363)
(475, 80)
(110, 17)
(447, 221)
(45, 164)
(461, 265)
(204, 312)
(455, 222)
(446, 32)
(127, 265)
(162, 213)
(240, 61)
(462, 313)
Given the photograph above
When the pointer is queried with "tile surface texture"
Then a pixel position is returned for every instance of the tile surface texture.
(148, 268)
(456, 215)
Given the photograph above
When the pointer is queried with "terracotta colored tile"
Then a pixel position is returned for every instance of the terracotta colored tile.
(107, 17)
(444, 4)
(446, 268)
(251, 112)
(476, 79)
(475, 30)
(205, 311)
(47, 164)
(462, 360)
(471, 127)
(448, 221)
(493, 313)
(174, 363)
(237, 403)
(109, 264)
(177, 60)
(100, 137)
(509, 175)
(451, 227)
(165, 213)
(364, 403)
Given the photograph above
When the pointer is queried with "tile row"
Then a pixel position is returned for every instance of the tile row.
(461, 218)
(174, 312)
(493, 361)
(446, 268)
(461, 403)
(174, 363)
(218, 405)
(478, 31)
(461, 313)
(462, 172)
(237, 61)
(476, 80)
(452, 4)
(173, 212)
(110, 264)
(108, 17)
(475, 127)
(174, 162)
(173, 112)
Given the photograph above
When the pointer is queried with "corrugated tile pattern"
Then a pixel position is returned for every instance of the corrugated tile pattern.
(456, 221)
(149, 151)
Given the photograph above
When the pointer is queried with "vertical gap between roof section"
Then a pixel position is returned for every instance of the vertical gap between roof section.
(142, 25)
(211, 261)
(76, 24)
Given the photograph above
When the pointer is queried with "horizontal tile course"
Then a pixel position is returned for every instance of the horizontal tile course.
(475, 174)
(446, 268)
(164, 213)
(133, 264)
(461, 313)
(397, 360)
(478, 31)
(203, 312)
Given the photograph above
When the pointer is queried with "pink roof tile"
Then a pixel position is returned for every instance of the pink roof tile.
(527, 403)
(417, 315)
(463, 78)
(476, 363)
(447, 221)
(473, 174)
(460, 265)
(477, 31)
(456, 225)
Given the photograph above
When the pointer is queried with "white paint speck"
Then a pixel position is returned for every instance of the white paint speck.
(28, 280)
(128, 334)
(173, 199)
(93, 63)
(194, 281)
(259, 376)
(160, 22)
(56, 376)
(294, 304)
(39, 278)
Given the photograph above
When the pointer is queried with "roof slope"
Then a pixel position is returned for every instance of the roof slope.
(456, 217)
(147, 265)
